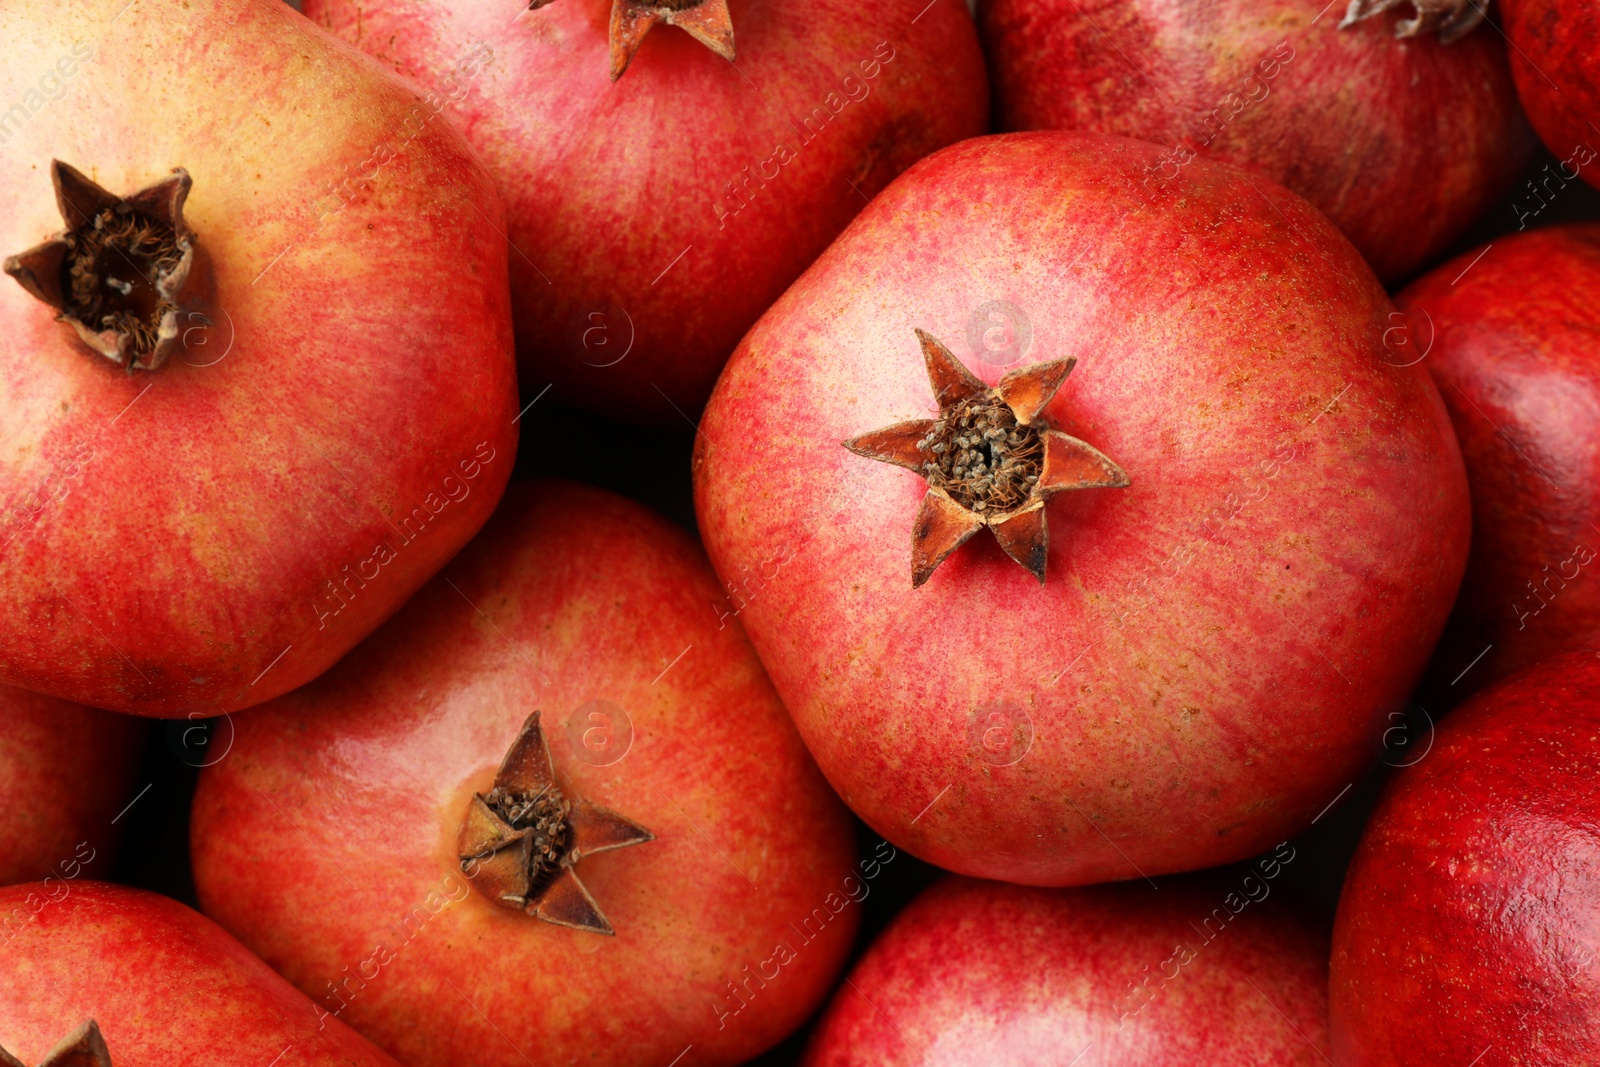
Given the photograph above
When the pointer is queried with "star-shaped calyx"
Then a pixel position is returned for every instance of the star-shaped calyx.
(1450, 19)
(522, 839)
(84, 1047)
(707, 21)
(989, 460)
(117, 274)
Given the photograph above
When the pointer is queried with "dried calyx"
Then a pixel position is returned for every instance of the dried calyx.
(118, 273)
(521, 840)
(707, 21)
(989, 460)
(1450, 19)
(84, 1047)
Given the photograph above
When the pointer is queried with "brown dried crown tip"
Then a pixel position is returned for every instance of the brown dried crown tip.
(989, 460)
(1450, 19)
(117, 273)
(525, 836)
(707, 21)
(84, 1047)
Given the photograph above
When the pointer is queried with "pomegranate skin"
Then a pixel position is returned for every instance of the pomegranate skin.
(1402, 143)
(204, 537)
(197, 997)
(1274, 578)
(639, 270)
(1555, 59)
(1471, 911)
(1511, 335)
(327, 839)
(974, 974)
(66, 771)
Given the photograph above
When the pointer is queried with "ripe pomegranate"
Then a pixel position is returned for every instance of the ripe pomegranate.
(1555, 59)
(980, 973)
(1509, 332)
(1470, 919)
(571, 647)
(1403, 142)
(97, 975)
(1196, 675)
(657, 216)
(66, 776)
(282, 388)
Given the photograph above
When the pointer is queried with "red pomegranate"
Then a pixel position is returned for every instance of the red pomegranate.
(1402, 142)
(974, 974)
(1470, 919)
(656, 216)
(1555, 59)
(97, 975)
(1510, 333)
(1195, 675)
(282, 388)
(66, 777)
(360, 837)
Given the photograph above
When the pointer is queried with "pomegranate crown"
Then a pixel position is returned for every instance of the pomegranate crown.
(521, 840)
(989, 459)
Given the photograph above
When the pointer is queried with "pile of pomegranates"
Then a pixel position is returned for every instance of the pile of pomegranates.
(669, 533)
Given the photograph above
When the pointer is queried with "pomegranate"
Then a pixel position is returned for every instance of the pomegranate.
(66, 999)
(282, 388)
(1470, 919)
(656, 217)
(1403, 143)
(66, 778)
(1555, 59)
(553, 743)
(1509, 332)
(1196, 675)
(978, 973)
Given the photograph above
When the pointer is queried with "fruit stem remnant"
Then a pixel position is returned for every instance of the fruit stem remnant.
(521, 840)
(707, 21)
(84, 1047)
(989, 460)
(118, 273)
(1450, 19)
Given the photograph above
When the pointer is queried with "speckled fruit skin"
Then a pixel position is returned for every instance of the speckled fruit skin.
(979, 974)
(1471, 912)
(333, 822)
(166, 538)
(1402, 143)
(65, 772)
(167, 987)
(1201, 666)
(1512, 337)
(1555, 59)
(608, 184)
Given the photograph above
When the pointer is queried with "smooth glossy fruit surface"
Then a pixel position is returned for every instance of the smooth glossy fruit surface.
(981, 974)
(1511, 333)
(328, 839)
(1199, 673)
(165, 984)
(656, 217)
(66, 773)
(1402, 143)
(218, 531)
(1555, 59)
(1471, 913)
